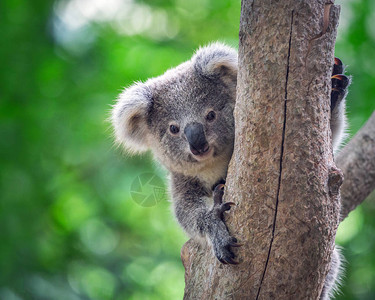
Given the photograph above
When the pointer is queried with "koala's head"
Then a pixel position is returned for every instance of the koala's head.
(184, 116)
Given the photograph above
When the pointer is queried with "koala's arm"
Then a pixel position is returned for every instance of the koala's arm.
(200, 213)
(340, 84)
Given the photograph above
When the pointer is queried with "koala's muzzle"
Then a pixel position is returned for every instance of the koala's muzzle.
(197, 140)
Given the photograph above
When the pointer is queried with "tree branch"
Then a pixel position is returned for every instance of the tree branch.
(357, 162)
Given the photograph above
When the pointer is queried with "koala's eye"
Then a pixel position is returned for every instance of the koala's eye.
(211, 116)
(174, 129)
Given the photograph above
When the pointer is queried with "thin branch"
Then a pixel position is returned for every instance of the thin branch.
(357, 162)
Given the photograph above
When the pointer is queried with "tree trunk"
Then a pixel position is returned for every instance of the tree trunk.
(282, 174)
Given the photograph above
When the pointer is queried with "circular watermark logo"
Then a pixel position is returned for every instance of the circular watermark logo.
(147, 190)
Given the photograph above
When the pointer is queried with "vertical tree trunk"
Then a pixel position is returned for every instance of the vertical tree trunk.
(282, 174)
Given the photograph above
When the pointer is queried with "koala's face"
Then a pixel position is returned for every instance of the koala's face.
(191, 119)
(184, 116)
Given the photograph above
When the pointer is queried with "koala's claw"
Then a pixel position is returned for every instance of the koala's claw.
(231, 261)
(340, 82)
(219, 206)
(225, 255)
(226, 206)
(338, 67)
(236, 245)
(218, 194)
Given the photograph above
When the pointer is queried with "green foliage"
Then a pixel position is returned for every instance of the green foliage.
(69, 226)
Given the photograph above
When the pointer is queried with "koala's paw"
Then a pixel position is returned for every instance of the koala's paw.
(340, 83)
(220, 237)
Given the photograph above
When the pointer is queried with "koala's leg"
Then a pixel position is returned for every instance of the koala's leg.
(198, 220)
(340, 84)
(333, 277)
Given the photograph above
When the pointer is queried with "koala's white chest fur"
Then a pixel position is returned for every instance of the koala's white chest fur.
(208, 173)
(213, 173)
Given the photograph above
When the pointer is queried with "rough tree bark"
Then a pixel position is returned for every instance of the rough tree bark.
(282, 174)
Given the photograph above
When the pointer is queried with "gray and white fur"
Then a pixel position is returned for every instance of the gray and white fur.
(185, 117)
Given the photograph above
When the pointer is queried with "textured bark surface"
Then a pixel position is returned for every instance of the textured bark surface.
(282, 174)
(357, 162)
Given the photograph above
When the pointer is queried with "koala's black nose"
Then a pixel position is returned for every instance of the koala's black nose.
(197, 140)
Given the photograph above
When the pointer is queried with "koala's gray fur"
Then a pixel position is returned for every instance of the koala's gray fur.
(198, 155)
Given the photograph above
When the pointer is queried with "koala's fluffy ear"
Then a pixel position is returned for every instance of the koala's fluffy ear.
(129, 117)
(217, 61)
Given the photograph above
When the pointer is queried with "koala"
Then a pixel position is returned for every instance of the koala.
(185, 117)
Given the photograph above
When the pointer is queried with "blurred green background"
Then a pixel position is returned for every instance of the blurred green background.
(69, 226)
